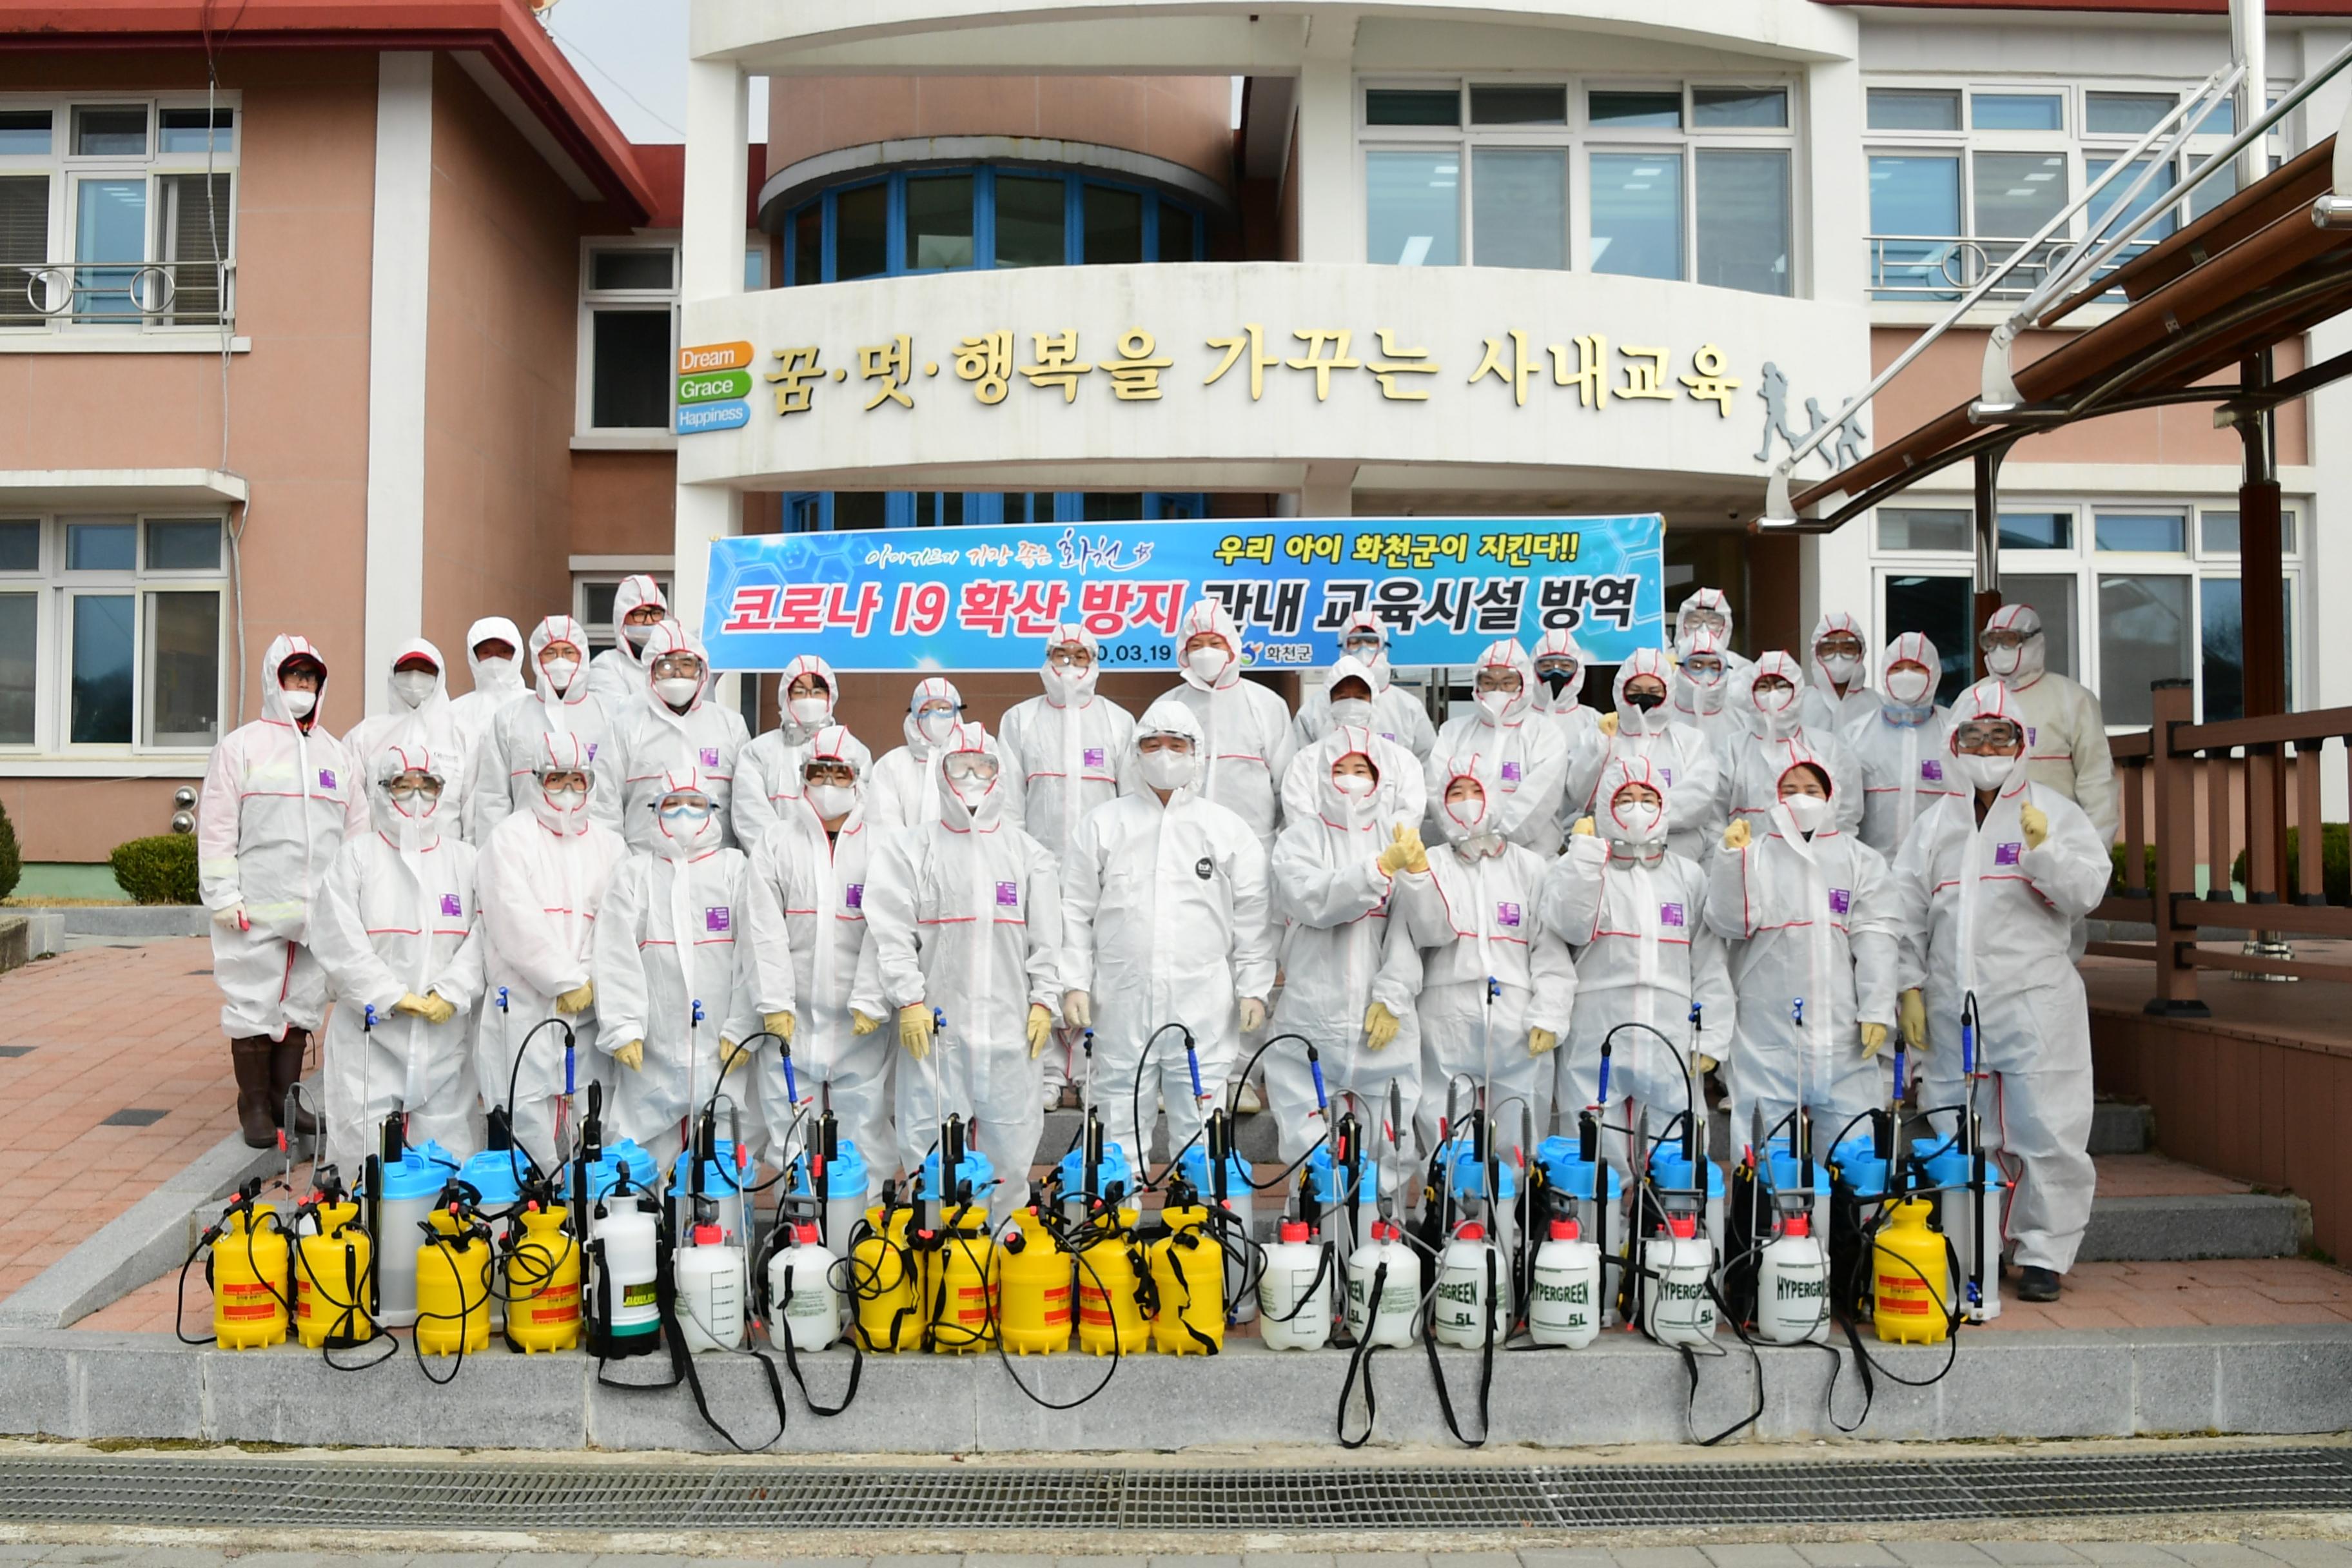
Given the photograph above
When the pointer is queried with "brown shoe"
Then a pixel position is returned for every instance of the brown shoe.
(250, 1058)
(285, 1072)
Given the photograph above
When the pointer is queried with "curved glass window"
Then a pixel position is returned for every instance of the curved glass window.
(951, 220)
(828, 512)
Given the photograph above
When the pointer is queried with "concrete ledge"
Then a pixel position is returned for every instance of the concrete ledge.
(2204, 1225)
(149, 921)
(15, 942)
(2122, 1127)
(2108, 1384)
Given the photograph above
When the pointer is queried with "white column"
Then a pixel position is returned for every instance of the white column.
(711, 263)
(1330, 205)
(1833, 188)
(1328, 489)
(397, 334)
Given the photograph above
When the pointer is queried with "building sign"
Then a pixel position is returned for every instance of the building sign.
(714, 382)
(984, 599)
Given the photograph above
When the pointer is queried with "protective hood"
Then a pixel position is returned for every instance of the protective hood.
(498, 676)
(835, 744)
(1988, 699)
(1784, 716)
(635, 593)
(1793, 755)
(1509, 655)
(806, 664)
(1570, 698)
(668, 638)
(683, 841)
(273, 696)
(1208, 616)
(1061, 688)
(1911, 647)
(555, 630)
(1631, 720)
(1337, 807)
(926, 690)
(1694, 698)
(561, 753)
(417, 827)
(1347, 666)
(1468, 823)
(435, 701)
(1365, 621)
(1859, 678)
(958, 814)
(1619, 821)
(2033, 655)
(1703, 599)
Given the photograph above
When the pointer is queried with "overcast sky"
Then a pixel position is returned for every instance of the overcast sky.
(633, 52)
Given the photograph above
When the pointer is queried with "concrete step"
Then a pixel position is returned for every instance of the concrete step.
(2183, 1225)
(2122, 1127)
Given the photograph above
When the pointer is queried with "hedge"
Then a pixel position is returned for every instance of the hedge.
(158, 870)
(12, 863)
(2334, 863)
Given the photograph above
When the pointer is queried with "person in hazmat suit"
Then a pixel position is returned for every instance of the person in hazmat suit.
(1898, 750)
(965, 922)
(281, 796)
(904, 793)
(1635, 910)
(617, 675)
(1401, 799)
(494, 655)
(1477, 914)
(1993, 881)
(1702, 691)
(1838, 697)
(1530, 756)
(1559, 697)
(506, 778)
(2065, 732)
(1246, 737)
(1396, 715)
(672, 727)
(689, 962)
(768, 774)
(1164, 919)
(1812, 918)
(1707, 610)
(816, 861)
(1641, 728)
(541, 875)
(1755, 764)
(1350, 974)
(399, 935)
(418, 714)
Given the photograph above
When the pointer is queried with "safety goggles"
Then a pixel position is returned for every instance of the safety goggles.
(2006, 637)
(829, 773)
(685, 807)
(1363, 648)
(1493, 679)
(1556, 667)
(970, 767)
(1703, 621)
(1701, 668)
(1070, 655)
(1772, 686)
(569, 779)
(676, 667)
(410, 786)
(1837, 642)
(1988, 737)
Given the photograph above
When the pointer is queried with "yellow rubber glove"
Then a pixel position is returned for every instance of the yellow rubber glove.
(1542, 1042)
(732, 1057)
(436, 1010)
(1419, 864)
(2036, 823)
(915, 1030)
(778, 1025)
(1041, 1028)
(1253, 1014)
(1608, 725)
(413, 1005)
(1077, 1009)
(632, 1056)
(1398, 855)
(1911, 1017)
(861, 1024)
(1707, 1064)
(1737, 834)
(1380, 1026)
(1873, 1040)
(577, 999)
(1584, 828)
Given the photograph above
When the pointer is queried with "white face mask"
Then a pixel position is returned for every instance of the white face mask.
(1779, 712)
(1466, 814)
(2004, 662)
(1811, 813)
(1984, 773)
(689, 827)
(1351, 712)
(1637, 824)
(496, 672)
(1494, 704)
(1072, 685)
(559, 673)
(1840, 665)
(972, 790)
(1909, 684)
(934, 726)
(832, 801)
(299, 702)
(1354, 784)
(636, 635)
(413, 686)
(1207, 663)
(809, 712)
(677, 691)
(1167, 769)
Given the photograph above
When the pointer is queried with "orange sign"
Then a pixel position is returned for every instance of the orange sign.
(714, 356)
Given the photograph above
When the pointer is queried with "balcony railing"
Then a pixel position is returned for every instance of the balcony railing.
(159, 294)
(1939, 269)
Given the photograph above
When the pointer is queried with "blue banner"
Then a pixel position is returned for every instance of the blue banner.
(984, 599)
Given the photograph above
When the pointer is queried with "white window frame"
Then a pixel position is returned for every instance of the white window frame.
(633, 299)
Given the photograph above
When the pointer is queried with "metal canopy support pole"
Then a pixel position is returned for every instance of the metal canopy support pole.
(1988, 536)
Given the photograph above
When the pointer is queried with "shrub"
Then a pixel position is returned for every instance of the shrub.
(2334, 863)
(158, 870)
(2116, 883)
(12, 863)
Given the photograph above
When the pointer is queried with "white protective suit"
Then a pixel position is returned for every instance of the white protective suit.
(1579, 726)
(399, 916)
(1164, 917)
(1754, 764)
(1246, 726)
(1813, 925)
(1683, 758)
(1989, 915)
(541, 875)
(682, 923)
(819, 882)
(1707, 707)
(768, 774)
(2065, 732)
(504, 781)
(1528, 757)
(496, 682)
(904, 793)
(1068, 747)
(617, 675)
(1825, 707)
(1397, 714)
(1706, 599)
(1635, 911)
(280, 799)
(1477, 914)
(1900, 754)
(652, 742)
(1403, 796)
(430, 725)
(964, 915)
(1341, 954)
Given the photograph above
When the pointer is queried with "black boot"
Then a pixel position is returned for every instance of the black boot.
(250, 1058)
(2037, 1284)
(285, 1071)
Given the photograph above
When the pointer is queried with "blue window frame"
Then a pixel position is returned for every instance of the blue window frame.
(947, 220)
(826, 511)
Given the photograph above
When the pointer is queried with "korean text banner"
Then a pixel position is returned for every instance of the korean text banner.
(985, 598)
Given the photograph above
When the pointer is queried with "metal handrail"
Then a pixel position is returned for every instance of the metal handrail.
(118, 292)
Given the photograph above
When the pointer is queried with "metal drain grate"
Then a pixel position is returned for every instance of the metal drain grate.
(260, 1493)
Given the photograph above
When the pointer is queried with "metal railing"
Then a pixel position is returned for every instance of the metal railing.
(2224, 798)
(1939, 269)
(118, 294)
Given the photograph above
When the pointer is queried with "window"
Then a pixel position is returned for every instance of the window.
(953, 219)
(629, 342)
(836, 511)
(112, 632)
(592, 603)
(1689, 181)
(117, 215)
(1950, 529)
